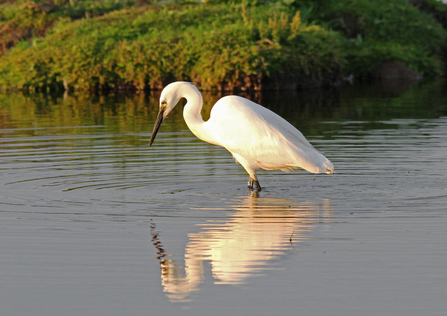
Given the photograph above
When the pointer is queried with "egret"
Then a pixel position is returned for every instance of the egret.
(255, 136)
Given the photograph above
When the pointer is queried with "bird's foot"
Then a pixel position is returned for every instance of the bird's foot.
(257, 186)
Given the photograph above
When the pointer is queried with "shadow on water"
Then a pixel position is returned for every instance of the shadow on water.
(259, 231)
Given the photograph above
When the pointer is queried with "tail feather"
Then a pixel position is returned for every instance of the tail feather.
(313, 161)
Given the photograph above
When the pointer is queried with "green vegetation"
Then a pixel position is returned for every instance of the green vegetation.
(384, 30)
(217, 45)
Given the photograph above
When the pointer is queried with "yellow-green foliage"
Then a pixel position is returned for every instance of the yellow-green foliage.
(211, 45)
(112, 44)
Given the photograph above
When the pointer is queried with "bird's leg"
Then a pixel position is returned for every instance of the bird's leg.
(256, 184)
(250, 184)
(251, 172)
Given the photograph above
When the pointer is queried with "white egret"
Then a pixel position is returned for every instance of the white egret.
(255, 136)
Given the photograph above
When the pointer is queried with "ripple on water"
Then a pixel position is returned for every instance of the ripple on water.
(85, 209)
(373, 165)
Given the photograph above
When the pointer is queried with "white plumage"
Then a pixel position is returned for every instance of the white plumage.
(255, 136)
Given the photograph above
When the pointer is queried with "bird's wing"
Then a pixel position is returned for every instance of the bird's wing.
(262, 137)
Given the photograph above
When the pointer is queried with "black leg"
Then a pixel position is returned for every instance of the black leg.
(256, 184)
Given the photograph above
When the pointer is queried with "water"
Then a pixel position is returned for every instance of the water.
(94, 222)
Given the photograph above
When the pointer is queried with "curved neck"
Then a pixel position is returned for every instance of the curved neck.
(193, 116)
(193, 108)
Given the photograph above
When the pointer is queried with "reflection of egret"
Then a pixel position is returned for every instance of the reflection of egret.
(260, 231)
(255, 136)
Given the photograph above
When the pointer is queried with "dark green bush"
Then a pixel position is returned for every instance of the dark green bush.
(386, 30)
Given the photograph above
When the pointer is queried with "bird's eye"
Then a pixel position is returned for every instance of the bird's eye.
(164, 103)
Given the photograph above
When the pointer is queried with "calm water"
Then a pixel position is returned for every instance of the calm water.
(94, 222)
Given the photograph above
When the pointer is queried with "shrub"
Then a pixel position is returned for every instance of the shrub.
(223, 44)
(211, 45)
(385, 30)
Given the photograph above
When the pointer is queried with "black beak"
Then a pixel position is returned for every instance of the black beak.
(157, 125)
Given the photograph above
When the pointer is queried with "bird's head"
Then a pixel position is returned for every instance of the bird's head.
(169, 98)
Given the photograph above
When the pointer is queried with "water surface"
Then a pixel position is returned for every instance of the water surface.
(94, 222)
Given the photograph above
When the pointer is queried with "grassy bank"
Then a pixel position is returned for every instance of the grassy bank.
(126, 44)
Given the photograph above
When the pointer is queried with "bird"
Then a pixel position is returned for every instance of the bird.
(256, 137)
